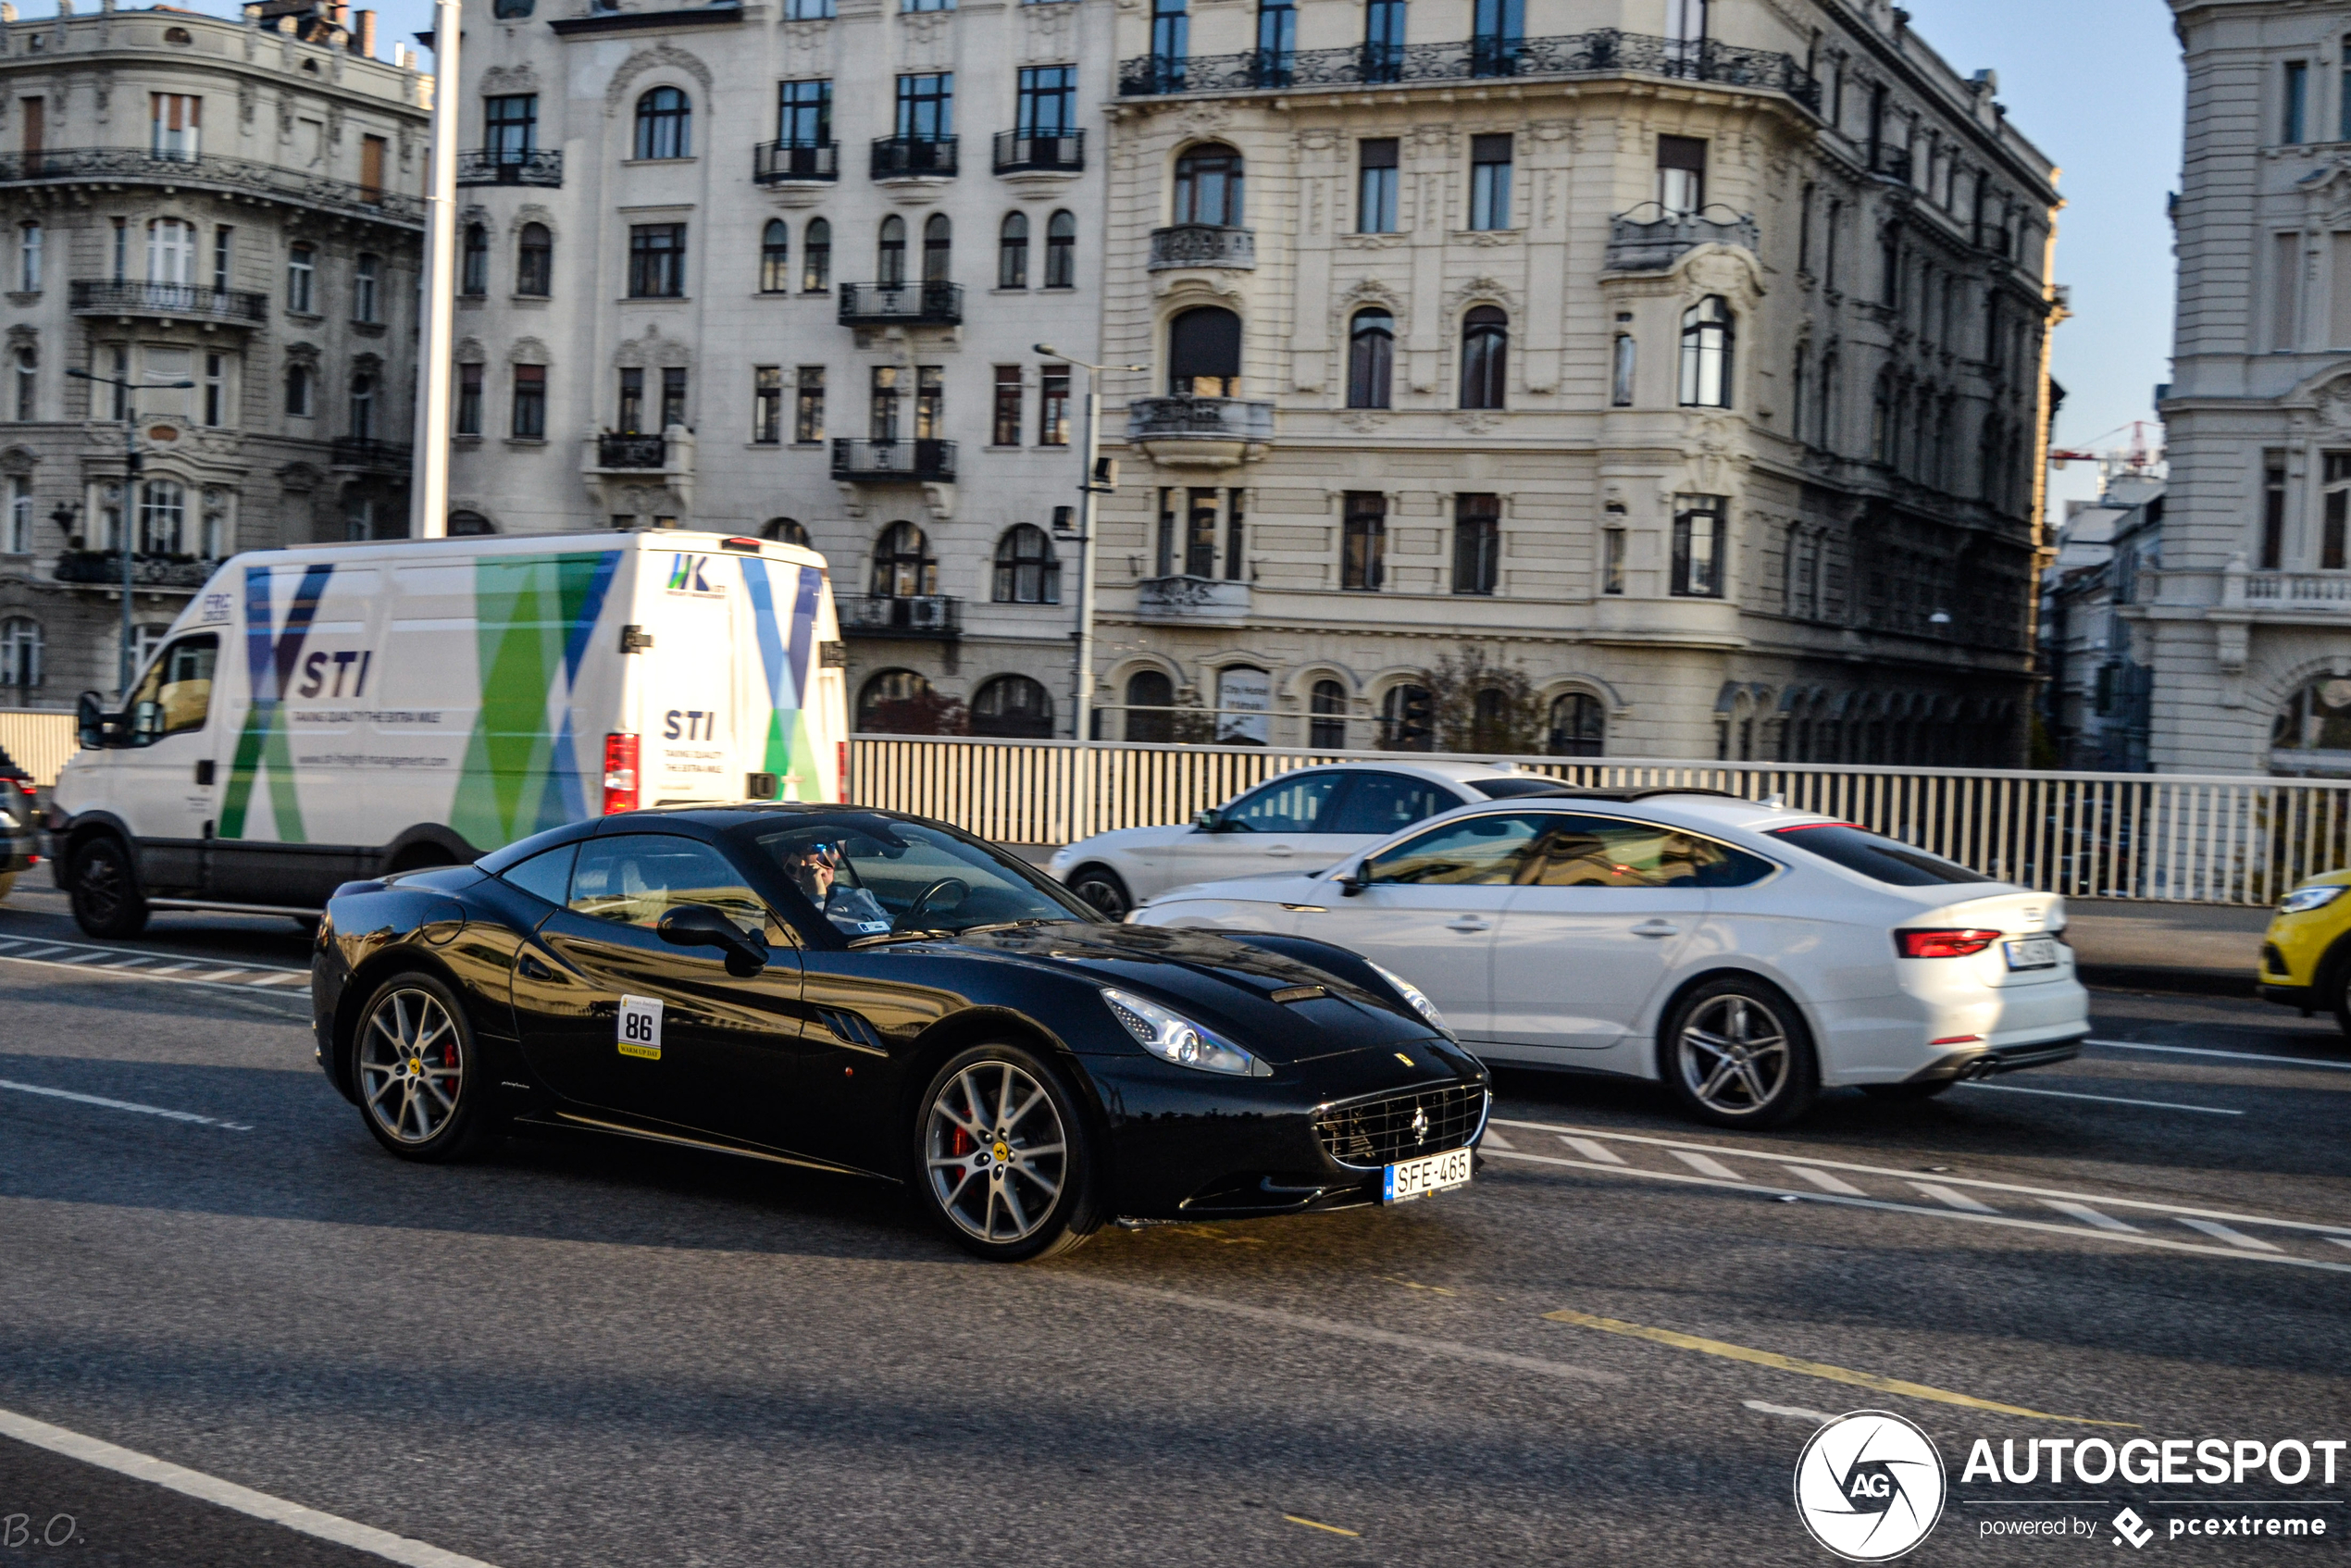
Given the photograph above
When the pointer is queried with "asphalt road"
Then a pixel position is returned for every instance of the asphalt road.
(586, 1353)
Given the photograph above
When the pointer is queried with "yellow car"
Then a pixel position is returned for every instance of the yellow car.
(2305, 958)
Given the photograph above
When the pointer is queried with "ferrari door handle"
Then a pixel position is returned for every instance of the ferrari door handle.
(1467, 923)
(1655, 928)
(532, 969)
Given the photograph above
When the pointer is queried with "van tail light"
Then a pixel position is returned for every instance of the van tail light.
(620, 773)
(1943, 944)
(842, 777)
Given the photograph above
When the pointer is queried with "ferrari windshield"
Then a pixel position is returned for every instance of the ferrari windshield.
(873, 876)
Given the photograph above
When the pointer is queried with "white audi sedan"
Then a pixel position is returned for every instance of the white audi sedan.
(1748, 955)
(1301, 821)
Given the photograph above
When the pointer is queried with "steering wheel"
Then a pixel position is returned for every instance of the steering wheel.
(962, 889)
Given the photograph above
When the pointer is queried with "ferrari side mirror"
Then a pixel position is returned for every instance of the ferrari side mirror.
(700, 925)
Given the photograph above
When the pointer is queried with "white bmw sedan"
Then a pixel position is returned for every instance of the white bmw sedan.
(1301, 821)
(1749, 956)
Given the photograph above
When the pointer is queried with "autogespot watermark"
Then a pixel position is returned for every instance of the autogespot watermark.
(1871, 1485)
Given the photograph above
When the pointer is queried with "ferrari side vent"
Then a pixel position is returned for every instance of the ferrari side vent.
(849, 1029)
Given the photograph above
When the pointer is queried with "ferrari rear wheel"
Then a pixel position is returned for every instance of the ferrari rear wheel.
(417, 1071)
(1005, 1161)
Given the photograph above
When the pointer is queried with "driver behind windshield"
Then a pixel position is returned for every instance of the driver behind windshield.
(815, 869)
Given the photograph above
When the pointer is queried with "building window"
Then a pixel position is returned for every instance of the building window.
(890, 253)
(804, 113)
(1012, 707)
(1052, 405)
(1210, 182)
(171, 251)
(664, 125)
(768, 404)
(1622, 366)
(785, 531)
(938, 238)
(535, 262)
(883, 399)
(21, 653)
(215, 390)
(474, 274)
(2297, 102)
(298, 379)
(2331, 543)
(1698, 546)
(366, 277)
(930, 396)
(469, 400)
(1276, 41)
(223, 256)
(1579, 726)
(1204, 353)
(1151, 702)
(1796, 411)
(371, 167)
(2273, 513)
(1171, 41)
(1327, 726)
(18, 522)
(673, 396)
(469, 525)
(1709, 335)
(1193, 551)
(1047, 101)
(897, 702)
(1371, 359)
(630, 410)
(1489, 182)
(808, 405)
(1404, 720)
(1681, 176)
(1384, 41)
(774, 258)
(1011, 251)
(1363, 563)
(510, 126)
(903, 565)
(927, 106)
(1477, 543)
(28, 236)
(817, 256)
(1485, 341)
(1061, 251)
(363, 407)
(1498, 29)
(657, 261)
(1008, 400)
(174, 133)
(27, 363)
(1026, 571)
(1613, 549)
(163, 517)
(530, 402)
(1376, 184)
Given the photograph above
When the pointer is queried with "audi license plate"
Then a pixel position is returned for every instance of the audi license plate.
(2033, 952)
(1418, 1178)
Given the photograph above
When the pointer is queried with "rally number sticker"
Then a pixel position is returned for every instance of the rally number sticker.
(640, 1027)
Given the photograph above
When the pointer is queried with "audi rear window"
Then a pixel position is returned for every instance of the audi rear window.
(1875, 856)
(1510, 789)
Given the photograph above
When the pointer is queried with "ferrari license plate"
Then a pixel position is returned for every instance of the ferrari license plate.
(2033, 952)
(1418, 1178)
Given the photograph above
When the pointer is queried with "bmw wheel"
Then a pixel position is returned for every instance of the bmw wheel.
(104, 886)
(1737, 1053)
(1103, 888)
(1004, 1161)
(420, 1082)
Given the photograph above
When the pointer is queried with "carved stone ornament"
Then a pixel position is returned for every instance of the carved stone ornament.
(2335, 402)
(1049, 31)
(650, 350)
(1373, 242)
(531, 212)
(659, 56)
(1363, 421)
(470, 352)
(499, 80)
(1480, 291)
(1207, 116)
(1478, 421)
(527, 351)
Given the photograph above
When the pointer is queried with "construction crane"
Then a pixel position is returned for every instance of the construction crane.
(2139, 457)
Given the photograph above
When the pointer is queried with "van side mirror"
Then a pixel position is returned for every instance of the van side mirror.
(89, 718)
(700, 925)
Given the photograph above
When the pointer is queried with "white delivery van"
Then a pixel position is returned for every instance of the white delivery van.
(340, 711)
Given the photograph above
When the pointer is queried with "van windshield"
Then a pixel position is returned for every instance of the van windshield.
(876, 877)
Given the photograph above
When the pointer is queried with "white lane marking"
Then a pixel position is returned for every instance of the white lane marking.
(38, 953)
(2088, 1216)
(2234, 1055)
(2340, 1240)
(1591, 1151)
(1705, 1164)
(246, 979)
(2104, 1098)
(282, 979)
(122, 1105)
(228, 1494)
(1956, 1200)
(1496, 1140)
(1825, 1181)
(2230, 1234)
(1798, 1411)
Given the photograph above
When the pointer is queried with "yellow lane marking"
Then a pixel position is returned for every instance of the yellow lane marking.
(1810, 1368)
(1318, 1525)
(1205, 1233)
(1414, 1285)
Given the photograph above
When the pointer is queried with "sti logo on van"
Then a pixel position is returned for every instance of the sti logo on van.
(686, 577)
(343, 673)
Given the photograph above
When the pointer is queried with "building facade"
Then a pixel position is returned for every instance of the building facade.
(782, 269)
(1636, 376)
(229, 216)
(2097, 688)
(2250, 631)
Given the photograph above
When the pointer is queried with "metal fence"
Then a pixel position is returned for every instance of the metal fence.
(2241, 841)
(38, 740)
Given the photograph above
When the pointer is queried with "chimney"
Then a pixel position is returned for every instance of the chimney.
(365, 40)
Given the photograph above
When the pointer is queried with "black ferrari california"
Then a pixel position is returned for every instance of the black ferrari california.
(863, 991)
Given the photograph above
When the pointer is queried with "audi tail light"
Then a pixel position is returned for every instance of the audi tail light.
(1943, 944)
(620, 773)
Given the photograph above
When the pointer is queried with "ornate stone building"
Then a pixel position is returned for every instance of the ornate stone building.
(237, 207)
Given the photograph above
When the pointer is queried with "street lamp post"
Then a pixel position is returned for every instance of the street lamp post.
(1090, 485)
(129, 500)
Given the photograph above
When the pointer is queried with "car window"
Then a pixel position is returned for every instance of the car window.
(1479, 852)
(635, 878)
(1610, 852)
(180, 684)
(1293, 804)
(545, 875)
(1382, 804)
(1878, 858)
(881, 876)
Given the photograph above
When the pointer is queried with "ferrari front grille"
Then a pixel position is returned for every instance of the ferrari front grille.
(1402, 1126)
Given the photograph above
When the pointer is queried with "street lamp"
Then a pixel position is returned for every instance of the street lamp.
(1090, 485)
(129, 496)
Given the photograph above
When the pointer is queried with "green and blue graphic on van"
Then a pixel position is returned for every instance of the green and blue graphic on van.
(686, 577)
(270, 657)
(790, 754)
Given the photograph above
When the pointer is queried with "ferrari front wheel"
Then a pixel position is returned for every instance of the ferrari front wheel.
(1004, 1161)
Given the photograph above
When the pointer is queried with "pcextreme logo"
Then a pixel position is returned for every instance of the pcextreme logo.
(1870, 1485)
(686, 577)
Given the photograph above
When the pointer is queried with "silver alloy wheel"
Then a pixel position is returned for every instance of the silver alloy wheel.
(996, 1151)
(1733, 1054)
(1106, 896)
(411, 1066)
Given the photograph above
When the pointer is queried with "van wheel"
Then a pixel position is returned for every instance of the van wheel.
(1737, 1053)
(105, 888)
(1103, 887)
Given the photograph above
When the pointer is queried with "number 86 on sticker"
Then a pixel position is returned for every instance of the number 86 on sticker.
(640, 1027)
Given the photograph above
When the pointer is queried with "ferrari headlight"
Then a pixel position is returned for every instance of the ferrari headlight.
(1413, 994)
(1172, 1038)
(2302, 900)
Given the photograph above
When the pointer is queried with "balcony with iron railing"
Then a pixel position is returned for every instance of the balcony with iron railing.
(921, 615)
(1202, 244)
(103, 569)
(1201, 432)
(366, 454)
(175, 302)
(795, 163)
(1191, 601)
(512, 165)
(1607, 51)
(901, 304)
(633, 453)
(1651, 239)
(1023, 152)
(913, 158)
(107, 167)
(882, 462)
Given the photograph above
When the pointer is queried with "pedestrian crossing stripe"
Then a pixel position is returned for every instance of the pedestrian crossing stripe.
(131, 964)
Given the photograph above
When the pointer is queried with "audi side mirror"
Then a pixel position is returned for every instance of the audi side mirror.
(1209, 821)
(700, 925)
(1351, 881)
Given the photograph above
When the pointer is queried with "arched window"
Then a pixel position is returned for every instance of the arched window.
(1208, 187)
(1327, 726)
(1708, 334)
(664, 125)
(774, 258)
(298, 383)
(903, 565)
(1486, 347)
(1013, 707)
(362, 406)
(535, 261)
(897, 702)
(21, 653)
(1204, 353)
(1579, 726)
(785, 531)
(2312, 732)
(938, 244)
(1492, 726)
(889, 254)
(1151, 703)
(1027, 569)
(1371, 359)
(1061, 251)
(469, 525)
(163, 517)
(474, 278)
(817, 256)
(1404, 720)
(1011, 251)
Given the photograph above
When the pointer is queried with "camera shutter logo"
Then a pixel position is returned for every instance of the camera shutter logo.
(1870, 1485)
